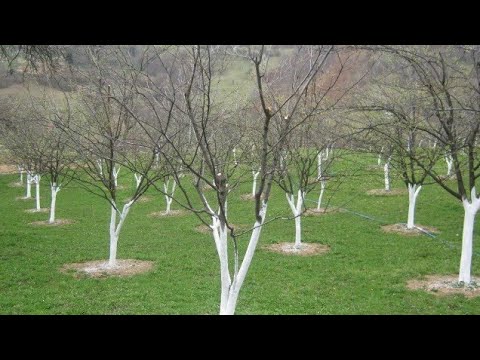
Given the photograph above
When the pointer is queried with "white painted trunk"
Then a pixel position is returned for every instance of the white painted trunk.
(115, 175)
(55, 189)
(471, 209)
(297, 210)
(254, 186)
(20, 170)
(220, 237)
(113, 238)
(237, 282)
(298, 231)
(319, 165)
(235, 156)
(36, 179)
(29, 186)
(169, 194)
(449, 160)
(115, 230)
(413, 192)
(100, 168)
(138, 179)
(386, 170)
(379, 160)
(320, 197)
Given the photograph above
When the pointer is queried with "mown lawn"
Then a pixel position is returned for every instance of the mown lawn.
(364, 273)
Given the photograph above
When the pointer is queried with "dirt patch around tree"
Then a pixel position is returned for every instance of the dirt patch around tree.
(171, 213)
(321, 211)
(306, 249)
(57, 222)
(7, 169)
(24, 198)
(442, 285)
(42, 210)
(16, 184)
(402, 229)
(383, 192)
(100, 268)
(249, 196)
(144, 199)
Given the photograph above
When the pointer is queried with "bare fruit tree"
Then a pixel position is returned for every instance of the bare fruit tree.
(104, 136)
(394, 110)
(448, 79)
(189, 95)
(27, 141)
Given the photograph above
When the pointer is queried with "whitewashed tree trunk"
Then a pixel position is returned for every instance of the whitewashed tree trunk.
(319, 165)
(169, 194)
(449, 160)
(20, 170)
(115, 230)
(237, 282)
(235, 156)
(413, 192)
(471, 209)
(386, 170)
(379, 160)
(323, 183)
(220, 237)
(28, 195)
(254, 186)
(297, 211)
(100, 167)
(36, 179)
(138, 179)
(115, 172)
(55, 189)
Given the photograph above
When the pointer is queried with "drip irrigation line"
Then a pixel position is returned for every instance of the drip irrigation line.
(381, 221)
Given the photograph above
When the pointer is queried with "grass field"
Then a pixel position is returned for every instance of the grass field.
(364, 273)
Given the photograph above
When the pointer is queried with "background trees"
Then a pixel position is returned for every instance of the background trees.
(446, 78)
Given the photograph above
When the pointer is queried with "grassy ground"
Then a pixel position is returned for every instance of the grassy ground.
(364, 273)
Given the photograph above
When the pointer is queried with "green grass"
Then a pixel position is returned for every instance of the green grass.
(364, 273)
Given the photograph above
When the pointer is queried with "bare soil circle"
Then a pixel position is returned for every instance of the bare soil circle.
(57, 222)
(24, 198)
(42, 210)
(164, 214)
(250, 196)
(442, 285)
(383, 192)
(144, 199)
(100, 268)
(306, 249)
(16, 184)
(402, 229)
(321, 211)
